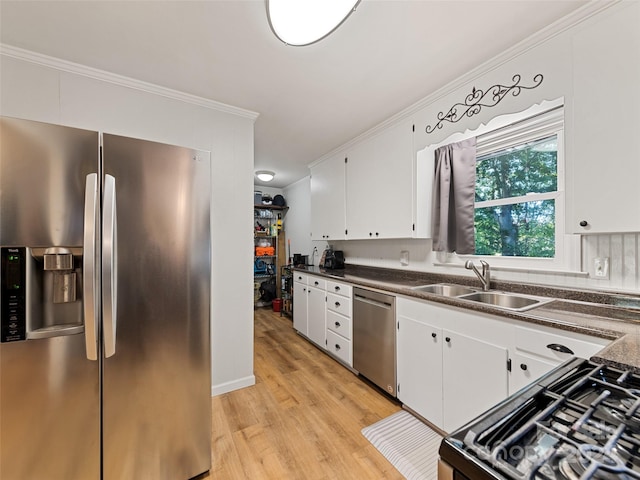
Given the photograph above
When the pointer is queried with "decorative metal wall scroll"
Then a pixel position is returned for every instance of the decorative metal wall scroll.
(477, 99)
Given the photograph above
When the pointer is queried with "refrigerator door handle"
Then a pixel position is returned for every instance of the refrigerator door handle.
(109, 266)
(89, 266)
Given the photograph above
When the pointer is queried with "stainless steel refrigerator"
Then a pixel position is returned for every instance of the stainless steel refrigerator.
(105, 295)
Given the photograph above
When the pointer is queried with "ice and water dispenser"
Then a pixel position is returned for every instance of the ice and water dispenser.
(40, 292)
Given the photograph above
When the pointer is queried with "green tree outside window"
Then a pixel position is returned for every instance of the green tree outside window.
(512, 216)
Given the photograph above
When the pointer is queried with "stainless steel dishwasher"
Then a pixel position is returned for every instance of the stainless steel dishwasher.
(374, 337)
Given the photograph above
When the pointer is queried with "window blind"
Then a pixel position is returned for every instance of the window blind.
(527, 130)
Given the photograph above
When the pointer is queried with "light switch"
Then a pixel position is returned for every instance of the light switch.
(404, 257)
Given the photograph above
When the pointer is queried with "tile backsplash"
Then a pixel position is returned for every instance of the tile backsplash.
(620, 251)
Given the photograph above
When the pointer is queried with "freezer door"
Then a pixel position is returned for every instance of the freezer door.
(49, 410)
(156, 384)
(49, 390)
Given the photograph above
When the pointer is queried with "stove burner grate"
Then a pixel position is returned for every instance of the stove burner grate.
(587, 427)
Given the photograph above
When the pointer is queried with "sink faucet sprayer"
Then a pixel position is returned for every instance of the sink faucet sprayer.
(485, 276)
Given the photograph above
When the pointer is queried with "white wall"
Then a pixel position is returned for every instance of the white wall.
(548, 53)
(44, 89)
(297, 222)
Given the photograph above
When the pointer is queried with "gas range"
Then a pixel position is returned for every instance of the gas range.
(581, 421)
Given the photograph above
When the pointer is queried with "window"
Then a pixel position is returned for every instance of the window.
(519, 196)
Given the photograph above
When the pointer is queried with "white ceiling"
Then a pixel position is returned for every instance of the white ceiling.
(385, 57)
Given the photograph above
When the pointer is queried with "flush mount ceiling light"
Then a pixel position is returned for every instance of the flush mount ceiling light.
(303, 22)
(265, 175)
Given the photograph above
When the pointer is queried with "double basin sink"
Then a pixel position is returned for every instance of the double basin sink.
(508, 301)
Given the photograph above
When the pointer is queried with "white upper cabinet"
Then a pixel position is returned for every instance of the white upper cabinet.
(380, 185)
(604, 167)
(328, 199)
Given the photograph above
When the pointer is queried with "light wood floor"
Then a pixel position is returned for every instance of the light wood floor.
(301, 420)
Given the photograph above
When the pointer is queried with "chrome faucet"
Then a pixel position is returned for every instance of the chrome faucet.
(485, 276)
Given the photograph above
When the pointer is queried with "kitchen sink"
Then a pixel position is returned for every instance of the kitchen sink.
(444, 289)
(508, 301)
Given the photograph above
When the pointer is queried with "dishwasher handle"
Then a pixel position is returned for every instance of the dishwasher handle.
(371, 301)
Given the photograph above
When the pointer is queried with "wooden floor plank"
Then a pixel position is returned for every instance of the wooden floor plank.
(302, 419)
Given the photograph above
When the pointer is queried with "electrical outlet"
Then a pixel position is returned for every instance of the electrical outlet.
(601, 268)
(404, 257)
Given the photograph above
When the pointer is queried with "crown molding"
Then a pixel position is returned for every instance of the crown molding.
(102, 75)
(567, 22)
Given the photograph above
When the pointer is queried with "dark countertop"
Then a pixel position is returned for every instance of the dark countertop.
(607, 315)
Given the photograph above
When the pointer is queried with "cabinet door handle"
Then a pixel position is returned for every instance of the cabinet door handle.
(337, 347)
(316, 283)
(337, 304)
(560, 348)
(584, 223)
(523, 366)
(377, 234)
(447, 339)
(433, 335)
(337, 288)
(337, 324)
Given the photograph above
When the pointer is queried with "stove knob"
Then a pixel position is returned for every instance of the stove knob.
(523, 366)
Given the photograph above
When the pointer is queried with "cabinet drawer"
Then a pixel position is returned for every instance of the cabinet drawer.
(551, 345)
(339, 346)
(339, 288)
(339, 324)
(317, 282)
(300, 277)
(339, 304)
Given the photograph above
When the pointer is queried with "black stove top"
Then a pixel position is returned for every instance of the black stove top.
(581, 421)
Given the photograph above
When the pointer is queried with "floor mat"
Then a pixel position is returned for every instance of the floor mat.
(410, 445)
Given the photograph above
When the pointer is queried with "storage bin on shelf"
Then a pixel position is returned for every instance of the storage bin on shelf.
(265, 251)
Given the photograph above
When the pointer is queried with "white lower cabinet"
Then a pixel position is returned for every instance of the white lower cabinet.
(448, 375)
(340, 347)
(322, 313)
(525, 369)
(300, 297)
(419, 367)
(316, 314)
(309, 300)
(454, 364)
(537, 349)
(474, 378)
(339, 326)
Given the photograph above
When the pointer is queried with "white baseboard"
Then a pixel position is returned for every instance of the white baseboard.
(233, 385)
